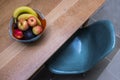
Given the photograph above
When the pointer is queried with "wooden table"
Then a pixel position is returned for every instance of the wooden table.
(19, 61)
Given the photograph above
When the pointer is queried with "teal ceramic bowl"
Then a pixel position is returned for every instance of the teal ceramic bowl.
(28, 40)
(83, 52)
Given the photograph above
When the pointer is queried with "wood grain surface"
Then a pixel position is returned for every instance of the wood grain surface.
(19, 61)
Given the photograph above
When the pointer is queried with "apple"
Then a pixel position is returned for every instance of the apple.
(17, 33)
(23, 25)
(32, 21)
(37, 30)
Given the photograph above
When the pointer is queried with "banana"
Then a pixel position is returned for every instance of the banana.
(24, 9)
(26, 16)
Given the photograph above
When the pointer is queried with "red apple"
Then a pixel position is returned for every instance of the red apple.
(23, 25)
(17, 33)
(32, 21)
(37, 30)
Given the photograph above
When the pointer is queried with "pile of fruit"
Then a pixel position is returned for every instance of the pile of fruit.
(26, 23)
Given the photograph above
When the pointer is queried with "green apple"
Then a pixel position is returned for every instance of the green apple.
(23, 25)
(37, 30)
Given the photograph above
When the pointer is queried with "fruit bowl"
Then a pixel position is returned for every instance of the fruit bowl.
(26, 25)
